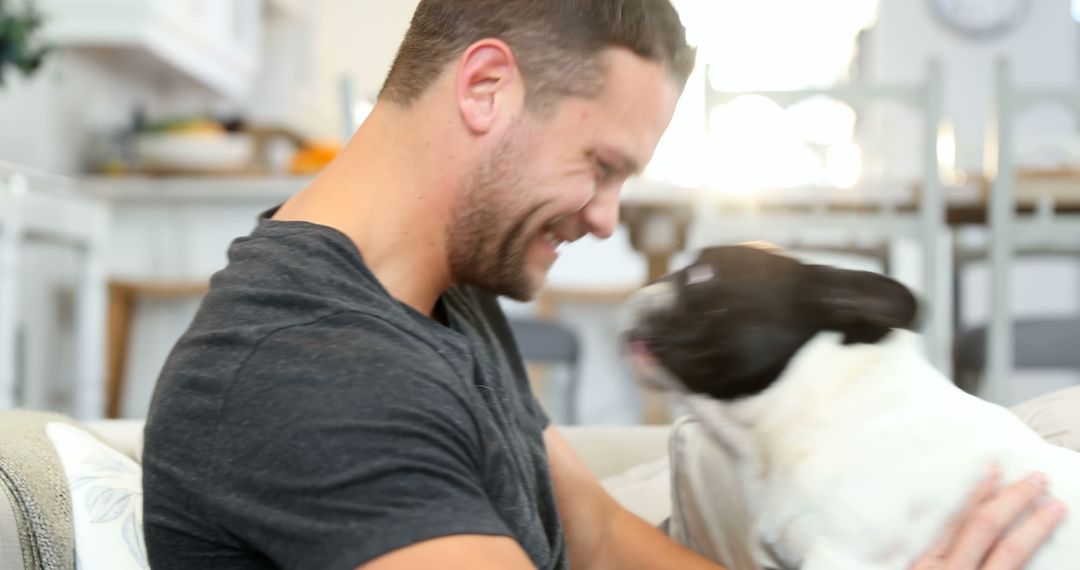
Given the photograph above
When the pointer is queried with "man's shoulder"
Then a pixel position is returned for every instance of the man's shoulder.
(321, 360)
(328, 370)
(353, 338)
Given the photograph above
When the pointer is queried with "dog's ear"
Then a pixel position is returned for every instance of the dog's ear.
(862, 305)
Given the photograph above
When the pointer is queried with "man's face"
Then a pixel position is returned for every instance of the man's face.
(549, 181)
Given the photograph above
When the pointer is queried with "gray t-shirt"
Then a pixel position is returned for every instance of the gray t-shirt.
(307, 419)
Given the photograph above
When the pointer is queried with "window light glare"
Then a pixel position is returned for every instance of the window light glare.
(946, 154)
(843, 162)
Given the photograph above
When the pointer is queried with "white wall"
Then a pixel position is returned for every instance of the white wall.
(45, 120)
(308, 58)
(359, 38)
(1041, 51)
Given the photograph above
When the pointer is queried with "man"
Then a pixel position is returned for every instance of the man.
(349, 396)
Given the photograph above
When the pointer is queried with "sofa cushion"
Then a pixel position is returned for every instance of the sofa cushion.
(1055, 416)
(644, 490)
(106, 500)
(611, 450)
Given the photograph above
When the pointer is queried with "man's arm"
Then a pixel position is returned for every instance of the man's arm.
(459, 552)
(600, 533)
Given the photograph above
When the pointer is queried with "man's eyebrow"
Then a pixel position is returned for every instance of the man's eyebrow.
(620, 160)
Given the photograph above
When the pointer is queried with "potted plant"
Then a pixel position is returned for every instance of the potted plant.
(20, 47)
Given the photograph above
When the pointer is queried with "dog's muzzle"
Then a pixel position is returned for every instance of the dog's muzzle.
(657, 297)
(660, 296)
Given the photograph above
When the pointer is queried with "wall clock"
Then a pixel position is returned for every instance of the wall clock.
(981, 18)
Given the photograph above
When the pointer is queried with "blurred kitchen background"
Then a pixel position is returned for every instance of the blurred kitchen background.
(934, 140)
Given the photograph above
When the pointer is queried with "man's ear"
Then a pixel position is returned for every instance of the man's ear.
(488, 83)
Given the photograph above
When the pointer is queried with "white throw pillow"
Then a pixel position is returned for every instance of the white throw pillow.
(1055, 416)
(106, 500)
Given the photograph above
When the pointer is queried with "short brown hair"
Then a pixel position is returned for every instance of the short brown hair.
(556, 42)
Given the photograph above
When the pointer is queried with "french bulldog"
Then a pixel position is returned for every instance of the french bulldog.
(854, 452)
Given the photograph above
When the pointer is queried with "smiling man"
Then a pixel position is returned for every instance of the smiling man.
(349, 395)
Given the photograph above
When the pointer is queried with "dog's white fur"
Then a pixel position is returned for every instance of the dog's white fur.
(859, 455)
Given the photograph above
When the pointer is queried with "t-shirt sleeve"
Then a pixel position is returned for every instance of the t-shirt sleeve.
(337, 450)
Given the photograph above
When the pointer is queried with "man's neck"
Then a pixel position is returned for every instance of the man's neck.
(382, 195)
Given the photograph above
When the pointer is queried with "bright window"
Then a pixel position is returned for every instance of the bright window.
(752, 142)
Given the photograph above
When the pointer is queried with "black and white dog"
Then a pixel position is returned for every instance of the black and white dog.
(860, 452)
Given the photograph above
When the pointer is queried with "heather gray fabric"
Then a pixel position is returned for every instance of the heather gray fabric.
(11, 548)
(708, 514)
(309, 420)
(35, 506)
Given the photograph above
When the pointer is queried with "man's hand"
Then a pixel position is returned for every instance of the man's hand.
(977, 539)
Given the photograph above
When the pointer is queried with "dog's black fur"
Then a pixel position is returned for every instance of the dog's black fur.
(732, 332)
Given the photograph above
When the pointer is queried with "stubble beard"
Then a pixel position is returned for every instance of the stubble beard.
(490, 236)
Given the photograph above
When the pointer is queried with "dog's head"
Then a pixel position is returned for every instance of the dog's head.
(728, 323)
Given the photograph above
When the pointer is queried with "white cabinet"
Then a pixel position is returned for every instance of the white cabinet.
(179, 229)
(37, 209)
(214, 42)
(172, 233)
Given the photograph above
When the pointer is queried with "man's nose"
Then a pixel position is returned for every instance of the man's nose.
(601, 214)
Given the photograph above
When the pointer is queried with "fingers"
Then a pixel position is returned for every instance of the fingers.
(1016, 548)
(983, 492)
(986, 524)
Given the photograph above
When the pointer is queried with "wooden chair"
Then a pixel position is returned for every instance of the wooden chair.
(123, 299)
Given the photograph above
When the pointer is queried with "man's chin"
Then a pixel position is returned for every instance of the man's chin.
(527, 289)
(523, 285)
(523, 295)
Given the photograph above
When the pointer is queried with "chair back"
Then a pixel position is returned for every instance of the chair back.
(1037, 344)
(549, 342)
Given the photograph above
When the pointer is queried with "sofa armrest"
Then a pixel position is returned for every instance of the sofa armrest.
(611, 450)
(126, 436)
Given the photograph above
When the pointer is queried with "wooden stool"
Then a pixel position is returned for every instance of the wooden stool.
(123, 296)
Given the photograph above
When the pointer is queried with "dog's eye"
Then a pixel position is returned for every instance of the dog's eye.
(699, 274)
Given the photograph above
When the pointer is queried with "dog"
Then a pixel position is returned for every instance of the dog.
(853, 451)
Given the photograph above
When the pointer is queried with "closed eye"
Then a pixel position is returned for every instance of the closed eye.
(604, 170)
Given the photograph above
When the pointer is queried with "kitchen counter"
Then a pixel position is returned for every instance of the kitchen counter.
(194, 189)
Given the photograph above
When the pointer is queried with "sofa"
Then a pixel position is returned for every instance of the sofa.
(61, 479)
